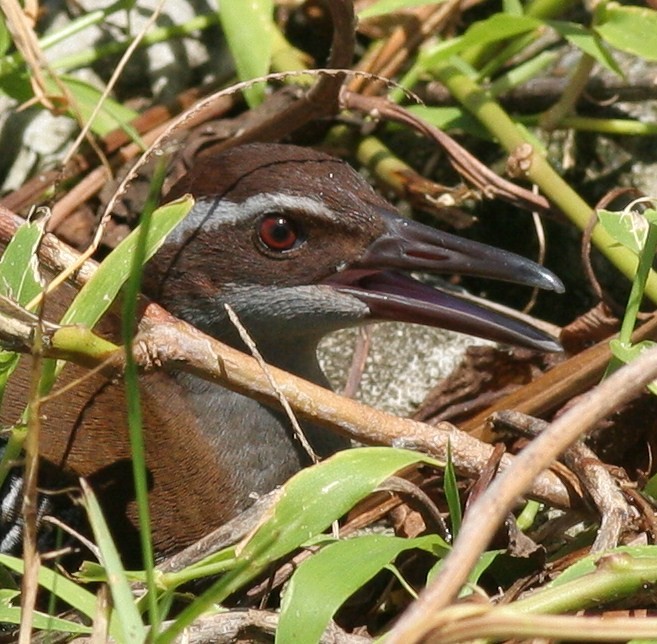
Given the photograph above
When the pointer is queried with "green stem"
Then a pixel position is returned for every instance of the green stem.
(616, 575)
(156, 35)
(621, 127)
(499, 123)
(573, 90)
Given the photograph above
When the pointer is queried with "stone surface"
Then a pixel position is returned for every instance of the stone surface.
(404, 362)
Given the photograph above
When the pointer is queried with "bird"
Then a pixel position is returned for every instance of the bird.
(298, 244)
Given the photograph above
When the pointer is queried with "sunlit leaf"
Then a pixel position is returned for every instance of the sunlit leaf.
(322, 583)
(248, 29)
(99, 292)
(498, 27)
(65, 589)
(628, 228)
(310, 501)
(20, 280)
(588, 41)
(630, 29)
(112, 115)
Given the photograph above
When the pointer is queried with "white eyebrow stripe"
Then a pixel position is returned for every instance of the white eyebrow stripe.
(213, 213)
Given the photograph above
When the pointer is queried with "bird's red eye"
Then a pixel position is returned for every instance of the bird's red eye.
(278, 233)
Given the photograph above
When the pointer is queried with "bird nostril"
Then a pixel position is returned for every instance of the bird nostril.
(278, 233)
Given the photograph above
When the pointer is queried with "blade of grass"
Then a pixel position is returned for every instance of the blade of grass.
(127, 621)
(133, 401)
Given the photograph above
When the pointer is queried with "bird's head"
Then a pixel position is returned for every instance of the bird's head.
(298, 244)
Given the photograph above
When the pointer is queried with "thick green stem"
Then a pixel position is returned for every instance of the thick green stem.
(498, 122)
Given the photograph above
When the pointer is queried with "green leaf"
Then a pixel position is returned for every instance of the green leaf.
(628, 228)
(66, 590)
(450, 118)
(498, 27)
(382, 7)
(310, 501)
(630, 29)
(522, 73)
(5, 36)
(112, 115)
(588, 41)
(627, 353)
(96, 296)
(452, 494)
(326, 580)
(10, 614)
(20, 280)
(484, 562)
(248, 29)
(319, 495)
(512, 7)
(589, 564)
(439, 52)
(129, 621)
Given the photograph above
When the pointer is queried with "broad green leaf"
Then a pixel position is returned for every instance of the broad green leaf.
(128, 619)
(498, 27)
(248, 28)
(310, 501)
(438, 53)
(319, 495)
(112, 115)
(65, 589)
(630, 29)
(15, 84)
(20, 280)
(96, 296)
(389, 6)
(10, 614)
(629, 228)
(588, 41)
(651, 215)
(450, 118)
(322, 583)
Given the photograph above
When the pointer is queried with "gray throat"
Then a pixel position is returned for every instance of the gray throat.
(260, 440)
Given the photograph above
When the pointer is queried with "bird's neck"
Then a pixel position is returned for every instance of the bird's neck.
(262, 440)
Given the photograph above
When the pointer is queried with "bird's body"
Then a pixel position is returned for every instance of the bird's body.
(298, 245)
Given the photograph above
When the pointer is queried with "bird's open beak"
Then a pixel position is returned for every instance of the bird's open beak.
(408, 246)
